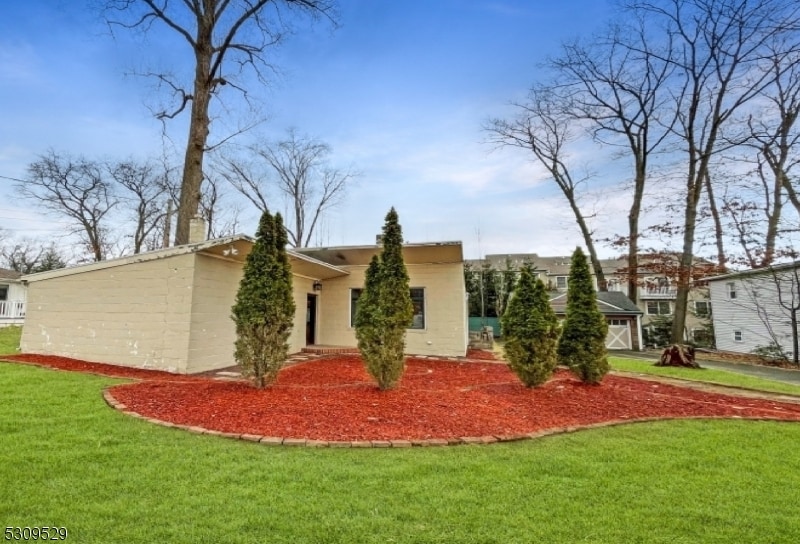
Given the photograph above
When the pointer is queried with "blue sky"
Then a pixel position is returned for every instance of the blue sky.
(400, 91)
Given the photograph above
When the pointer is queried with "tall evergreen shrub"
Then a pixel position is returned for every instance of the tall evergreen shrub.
(582, 346)
(384, 310)
(264, 308)
(530, 330)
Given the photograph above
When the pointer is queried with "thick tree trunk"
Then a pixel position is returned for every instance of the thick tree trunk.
(633, 233)
(192, 182)
(694, 186)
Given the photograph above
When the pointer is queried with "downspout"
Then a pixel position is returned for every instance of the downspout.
(639, 331)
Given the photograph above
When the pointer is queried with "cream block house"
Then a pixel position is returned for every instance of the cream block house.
(170, 309)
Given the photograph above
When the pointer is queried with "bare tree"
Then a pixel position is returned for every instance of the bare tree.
(545, 127)
(773, 134)
(617, 82)
(224, 37)
(22, 256)
(77, 190)
(298, 168)
(145, 189)
(28, 256)
(717, 49)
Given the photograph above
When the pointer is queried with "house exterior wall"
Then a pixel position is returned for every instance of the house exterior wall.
(136, 315)
(445, 331)
(753, 312)
(213, 332)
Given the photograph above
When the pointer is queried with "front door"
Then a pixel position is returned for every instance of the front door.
(311, 319)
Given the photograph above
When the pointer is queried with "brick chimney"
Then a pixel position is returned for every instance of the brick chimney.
(197, 230)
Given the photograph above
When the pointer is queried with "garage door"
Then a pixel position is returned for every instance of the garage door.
(619, 334)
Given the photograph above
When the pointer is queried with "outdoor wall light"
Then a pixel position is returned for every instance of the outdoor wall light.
(317, 286)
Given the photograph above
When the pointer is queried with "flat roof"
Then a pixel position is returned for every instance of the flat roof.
(418, 253)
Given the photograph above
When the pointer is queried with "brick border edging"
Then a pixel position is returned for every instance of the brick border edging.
(488, 439)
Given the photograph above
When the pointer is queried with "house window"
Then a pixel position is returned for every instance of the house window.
(417, 300)
(702, 308)
(3, 292)
(354, 294)
(659, 307)
(737, 336)
(561, 282)
(731, 290)
(617, 322)
(700, 335)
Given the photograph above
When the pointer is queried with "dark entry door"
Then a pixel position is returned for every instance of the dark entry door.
(311, 319)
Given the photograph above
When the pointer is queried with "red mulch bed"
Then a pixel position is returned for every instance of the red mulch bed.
(334, 399)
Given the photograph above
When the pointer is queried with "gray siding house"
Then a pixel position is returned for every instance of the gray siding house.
(753, 308)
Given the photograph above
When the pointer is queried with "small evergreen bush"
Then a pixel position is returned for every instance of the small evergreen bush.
(582, 346)
(264, 307)
(385, 310)
(530, 330)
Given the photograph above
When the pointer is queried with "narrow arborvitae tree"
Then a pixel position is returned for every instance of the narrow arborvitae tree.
(582, 346)
(530, 330)
(385, 310)
(368, 319)
(264, 308)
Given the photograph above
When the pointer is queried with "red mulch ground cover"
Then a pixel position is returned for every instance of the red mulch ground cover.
(334, 399)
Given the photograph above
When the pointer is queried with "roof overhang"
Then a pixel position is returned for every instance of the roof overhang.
(234, 248)
(230, 248)
(303, 265)
(427, 253)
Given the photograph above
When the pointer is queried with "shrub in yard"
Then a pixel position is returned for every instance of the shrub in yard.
(582, 346)
(264, 307)
(530, 330)
(384, 310)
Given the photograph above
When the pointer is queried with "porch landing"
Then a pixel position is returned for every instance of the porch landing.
(322, 349)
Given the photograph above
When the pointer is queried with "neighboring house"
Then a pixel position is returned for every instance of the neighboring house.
(657, 287)
(170, 309)
(12, 298)
(622, 315)
(753, 308)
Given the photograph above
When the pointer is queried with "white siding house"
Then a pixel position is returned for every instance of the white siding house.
(12, 298)
(754, 308)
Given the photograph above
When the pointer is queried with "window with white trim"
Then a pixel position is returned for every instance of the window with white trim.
(737, 336)
(731, 288)
(561, 282)
(659, 307)
(3, 292)
(617, 322)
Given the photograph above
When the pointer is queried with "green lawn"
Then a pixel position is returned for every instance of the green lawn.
(708, 375)
(69, 460)
(9, 340)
